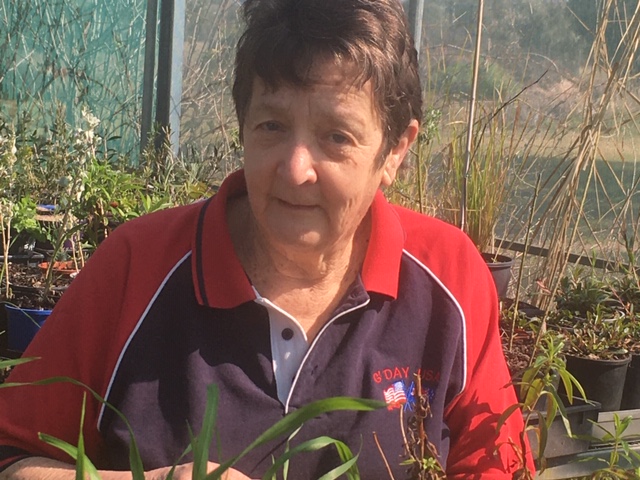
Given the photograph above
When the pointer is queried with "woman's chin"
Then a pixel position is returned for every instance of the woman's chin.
(297, 240)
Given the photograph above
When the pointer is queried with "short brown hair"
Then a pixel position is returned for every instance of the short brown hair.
(284, 37)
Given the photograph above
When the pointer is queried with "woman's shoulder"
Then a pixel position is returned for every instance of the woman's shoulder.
(166, 233)
(430, 232)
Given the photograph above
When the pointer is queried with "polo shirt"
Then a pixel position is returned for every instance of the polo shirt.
(164, 308)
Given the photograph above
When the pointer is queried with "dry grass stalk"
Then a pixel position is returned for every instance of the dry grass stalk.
(567, 204)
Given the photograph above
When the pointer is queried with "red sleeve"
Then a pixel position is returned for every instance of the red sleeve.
(477, 450)
(69, 344)
(85, 336)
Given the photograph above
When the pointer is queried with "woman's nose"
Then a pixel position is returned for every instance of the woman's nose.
(298, 166)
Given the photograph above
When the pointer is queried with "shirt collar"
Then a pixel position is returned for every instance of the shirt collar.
(220, 281)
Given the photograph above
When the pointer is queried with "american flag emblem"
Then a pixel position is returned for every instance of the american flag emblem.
(395, 395)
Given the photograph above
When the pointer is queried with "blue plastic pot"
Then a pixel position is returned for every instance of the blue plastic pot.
(22, 325)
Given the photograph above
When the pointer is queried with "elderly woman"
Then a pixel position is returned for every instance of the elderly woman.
(296, 282)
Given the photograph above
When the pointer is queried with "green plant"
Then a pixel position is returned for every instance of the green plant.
(497, 145)
(623, 462)
(201, 443)
(8, 159)
(598, 335)
(181, 179)
(411, 187)
(538, 390)
(600, 315)
(106, 197)
(581, 294)
(626, 290)
(17, 208)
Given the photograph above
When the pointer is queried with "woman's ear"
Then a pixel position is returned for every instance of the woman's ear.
(396, 155)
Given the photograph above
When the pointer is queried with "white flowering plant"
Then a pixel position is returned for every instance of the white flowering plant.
(46, 168)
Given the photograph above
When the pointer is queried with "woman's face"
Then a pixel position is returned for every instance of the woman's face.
(311, 160)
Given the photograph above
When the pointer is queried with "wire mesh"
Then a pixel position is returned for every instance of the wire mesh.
(74, 54)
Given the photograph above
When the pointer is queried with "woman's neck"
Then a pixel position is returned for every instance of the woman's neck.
(305, 283)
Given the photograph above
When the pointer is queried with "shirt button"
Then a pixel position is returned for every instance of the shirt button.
(287, 334)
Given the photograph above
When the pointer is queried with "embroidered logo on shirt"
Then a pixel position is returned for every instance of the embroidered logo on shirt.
(401, 392)
(402, 373)
(398, 395)
(395, 396)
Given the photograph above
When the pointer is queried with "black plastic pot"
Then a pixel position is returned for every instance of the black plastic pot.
(631, 393)
(500, 268)
(31, 258)
(602, 380)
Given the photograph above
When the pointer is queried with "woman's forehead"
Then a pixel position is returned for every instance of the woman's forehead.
(323, 69)
(331, 87)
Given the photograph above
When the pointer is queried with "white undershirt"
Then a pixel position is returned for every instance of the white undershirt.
(289, 345)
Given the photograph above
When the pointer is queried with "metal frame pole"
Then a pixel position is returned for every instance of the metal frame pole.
(169, 85)
(415, 15)
(149, 72)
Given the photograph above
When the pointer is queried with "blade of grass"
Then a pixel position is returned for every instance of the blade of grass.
(201, 444)
(295, 419)
(309, 446)
(134, 452)
(83, 463)
(341, 470)
(69, 450)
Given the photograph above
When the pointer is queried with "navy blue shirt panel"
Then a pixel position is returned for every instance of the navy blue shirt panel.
(374, 345)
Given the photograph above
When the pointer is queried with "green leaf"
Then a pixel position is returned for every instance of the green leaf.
(297, 418)
(16, 361)
(346, 455)
(340, 470)
(134, 453)
(135, 461)
(71, 451)
(533, 392)
(83, 463)
(202, 442)
(506, 414)
(307, 446)
(543, 432)
(80, 459)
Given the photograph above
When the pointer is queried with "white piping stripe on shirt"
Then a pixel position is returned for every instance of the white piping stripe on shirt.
(134, 331)
(464, 320)
(313, 344)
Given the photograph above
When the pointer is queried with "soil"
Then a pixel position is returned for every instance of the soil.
(27, 282)
(520, 353)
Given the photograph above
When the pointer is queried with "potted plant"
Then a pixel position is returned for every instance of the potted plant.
(552, 420)
(597, 356)
(91, 194)
(474, 193)
(580, 293)
(28, 307)
(631, 392)
(600, 316)
(626, 290)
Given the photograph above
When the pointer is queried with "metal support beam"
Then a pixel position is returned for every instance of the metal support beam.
(169, 85)
(149, 72)
(415, 15)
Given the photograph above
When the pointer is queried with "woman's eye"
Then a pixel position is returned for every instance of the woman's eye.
(339, 139)
(270, 126)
